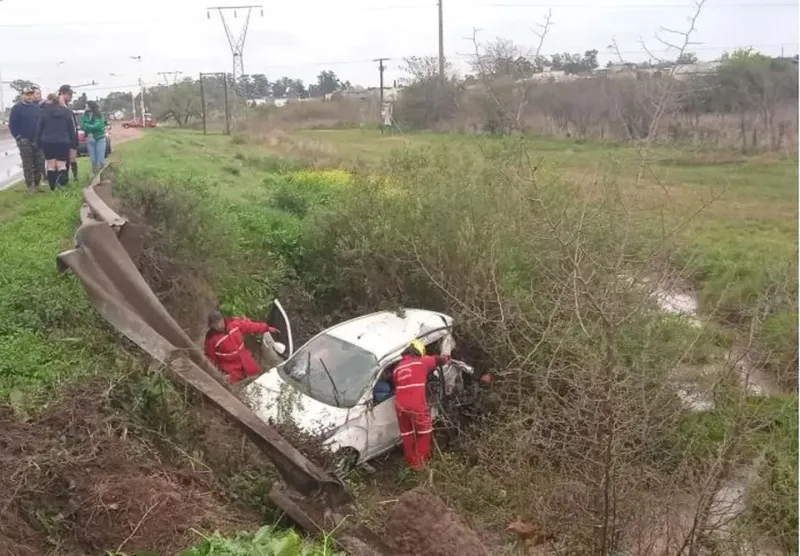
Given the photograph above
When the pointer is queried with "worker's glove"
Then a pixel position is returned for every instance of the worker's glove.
(273, 330)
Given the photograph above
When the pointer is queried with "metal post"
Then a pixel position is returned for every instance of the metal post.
(441, 44)
(2, 100)
(380, 108)
(227, 108)
(203, 104)
(380, 68)
(141, 85)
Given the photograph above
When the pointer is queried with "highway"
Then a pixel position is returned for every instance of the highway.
(10, 165)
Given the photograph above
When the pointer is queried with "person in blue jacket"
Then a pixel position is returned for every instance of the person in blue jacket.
(23, 123)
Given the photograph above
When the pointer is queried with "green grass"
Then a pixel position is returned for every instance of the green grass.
(279, 223)
(49, 333)
(740, 249)
(267, 541)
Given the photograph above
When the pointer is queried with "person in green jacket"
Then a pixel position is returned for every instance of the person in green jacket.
(94, 126)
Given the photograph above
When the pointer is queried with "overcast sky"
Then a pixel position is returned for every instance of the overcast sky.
(52, 41)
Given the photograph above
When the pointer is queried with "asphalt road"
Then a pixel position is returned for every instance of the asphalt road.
(10, 164)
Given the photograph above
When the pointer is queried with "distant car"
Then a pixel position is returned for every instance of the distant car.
(137, 122)
(334, 386)
(83, 145)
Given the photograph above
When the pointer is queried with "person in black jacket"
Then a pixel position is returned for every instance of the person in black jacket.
(65, 94)
(23, 123)
(56, 135)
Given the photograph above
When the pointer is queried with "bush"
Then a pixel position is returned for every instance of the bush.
(535, 275)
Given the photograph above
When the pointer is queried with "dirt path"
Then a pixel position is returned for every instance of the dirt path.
(121, 135)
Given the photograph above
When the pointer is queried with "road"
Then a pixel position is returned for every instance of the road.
(10, 164)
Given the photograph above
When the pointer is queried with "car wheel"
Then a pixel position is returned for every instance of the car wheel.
(345, 461)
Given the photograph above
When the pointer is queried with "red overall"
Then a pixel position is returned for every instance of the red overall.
(413, 414)
(226, 349)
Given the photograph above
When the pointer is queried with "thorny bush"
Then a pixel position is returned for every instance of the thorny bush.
(551, 286)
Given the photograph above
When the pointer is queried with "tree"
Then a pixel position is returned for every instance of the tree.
(687, 58)
(260, 85)
(116, 101)
(327, 82)
(179, 102)
(80, 102)
(281, 87)
(503, 58)
(20, 85)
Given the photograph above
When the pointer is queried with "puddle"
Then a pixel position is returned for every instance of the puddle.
(677, 303)
(695, 391)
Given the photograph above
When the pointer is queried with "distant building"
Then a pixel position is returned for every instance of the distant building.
(686, 71)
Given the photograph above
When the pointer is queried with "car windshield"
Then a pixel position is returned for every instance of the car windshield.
(331, 371)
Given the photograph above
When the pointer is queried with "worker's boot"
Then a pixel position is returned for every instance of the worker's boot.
(52, 179)
(63, 178)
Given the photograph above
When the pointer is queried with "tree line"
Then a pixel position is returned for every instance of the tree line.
(749, 98)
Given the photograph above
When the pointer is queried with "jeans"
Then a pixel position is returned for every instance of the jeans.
(97, 152)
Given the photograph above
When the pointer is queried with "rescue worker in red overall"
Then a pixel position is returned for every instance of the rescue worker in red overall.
(410, 378)
(225, 348)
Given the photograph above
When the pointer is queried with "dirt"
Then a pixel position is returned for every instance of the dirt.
(76, 480)
(121, 135)
(421, 523)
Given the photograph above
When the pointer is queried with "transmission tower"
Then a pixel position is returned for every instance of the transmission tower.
(174, 75)
(236, 42)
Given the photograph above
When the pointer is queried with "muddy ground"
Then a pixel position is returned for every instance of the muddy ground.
(80, 480)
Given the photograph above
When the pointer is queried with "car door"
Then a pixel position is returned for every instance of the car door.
(278, 318)
(383, 432)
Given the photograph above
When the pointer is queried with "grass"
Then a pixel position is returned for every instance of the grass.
(267, 541)
(260, 220)
(50, 333)
(739, 249)
(738, 252)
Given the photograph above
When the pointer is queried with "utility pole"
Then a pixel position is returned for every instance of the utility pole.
(138, 60)
(203, 104)
(380, 69)
(236, 43)
(141, 97)
(2, 102)
(174, 75)
(441, 44)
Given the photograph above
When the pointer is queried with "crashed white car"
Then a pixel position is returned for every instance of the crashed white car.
(330, 385)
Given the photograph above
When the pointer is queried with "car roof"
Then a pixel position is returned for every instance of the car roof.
(384, 333)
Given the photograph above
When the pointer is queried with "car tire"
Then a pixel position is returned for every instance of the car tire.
(345, 461)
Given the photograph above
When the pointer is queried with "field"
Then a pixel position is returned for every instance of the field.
(341, 222)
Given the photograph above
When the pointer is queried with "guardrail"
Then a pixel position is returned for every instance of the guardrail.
(104, 259)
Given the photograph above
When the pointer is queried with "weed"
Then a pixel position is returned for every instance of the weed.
(267, 541)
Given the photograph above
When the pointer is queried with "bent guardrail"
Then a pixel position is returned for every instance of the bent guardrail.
(107, 246)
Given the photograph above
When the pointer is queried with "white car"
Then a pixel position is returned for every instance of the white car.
(328, 386)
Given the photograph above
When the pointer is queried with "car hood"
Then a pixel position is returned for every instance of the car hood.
(274, 399)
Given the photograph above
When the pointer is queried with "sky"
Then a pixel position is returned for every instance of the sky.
(52, 42)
